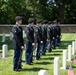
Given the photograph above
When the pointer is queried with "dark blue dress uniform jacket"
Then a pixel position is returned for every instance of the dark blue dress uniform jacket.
(58, 30)
(50, 32)
(44, 33)
(17, 36)
(37, 34)
(29, 30)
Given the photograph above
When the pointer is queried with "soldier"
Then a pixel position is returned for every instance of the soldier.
(29, 41)
(38, 38)
(58, 32)
(49, 35)
(54, 34)
(18, 43)
(44, 36)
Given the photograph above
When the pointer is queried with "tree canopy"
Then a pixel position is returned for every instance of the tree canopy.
(63, 10)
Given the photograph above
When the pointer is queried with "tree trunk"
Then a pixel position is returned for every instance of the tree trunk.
(61, 13)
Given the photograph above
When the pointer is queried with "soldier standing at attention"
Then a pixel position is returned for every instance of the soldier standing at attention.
(58, 31)
(18, 43)
(44, 36)
(38, 38)
(54, 41)
(29, 30)
(50, 35)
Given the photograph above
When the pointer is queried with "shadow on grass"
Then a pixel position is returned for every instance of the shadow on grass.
(64, 44)
(57, 54)
(53, 54)
(57, 51)
(73, 66)
(43, 63)
(50, 58)
(35, 69)
(0, 51)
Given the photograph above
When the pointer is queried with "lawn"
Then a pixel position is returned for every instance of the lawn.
(46, 62)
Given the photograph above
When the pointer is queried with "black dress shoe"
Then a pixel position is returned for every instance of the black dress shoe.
(37, 58)
(50, 50)
(43, 54)
(16, 70)
(20, 68)
(54, 48)
(58, 45)
(28, 63)
(32, 62)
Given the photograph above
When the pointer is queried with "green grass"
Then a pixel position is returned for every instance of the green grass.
(46, 62)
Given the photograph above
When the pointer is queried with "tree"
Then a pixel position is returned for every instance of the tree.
(10, 9)
(39, 9)
(61, 6)
(70, 14)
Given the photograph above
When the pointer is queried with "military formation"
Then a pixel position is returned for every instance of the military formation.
(40, 37)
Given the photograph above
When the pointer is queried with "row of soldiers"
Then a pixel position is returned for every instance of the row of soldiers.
(39, 38)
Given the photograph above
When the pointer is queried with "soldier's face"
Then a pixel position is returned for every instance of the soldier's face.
(40, 23)
(20, 22)
(46, 24)
(58, 22)
(32, 23)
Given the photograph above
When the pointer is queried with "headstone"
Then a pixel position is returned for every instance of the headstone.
(42, 72)
(3, 37)
(11, 35)
(4, 50)
(69, 53)
(64, 63)
(23, 33)
(73, 48)
(56, 66)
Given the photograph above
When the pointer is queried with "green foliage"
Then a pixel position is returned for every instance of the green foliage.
(70, 12)
(42, 9)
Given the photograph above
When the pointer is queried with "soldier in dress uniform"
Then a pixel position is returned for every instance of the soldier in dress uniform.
(54, 41)
(38, 38)
(44, 36)
(29, 30)
(18, 44)
(58, 32)
(50, 36)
